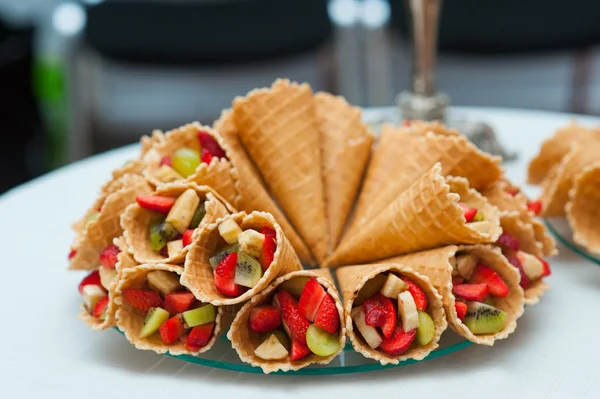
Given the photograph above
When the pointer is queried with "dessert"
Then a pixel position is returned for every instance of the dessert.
(582, 209)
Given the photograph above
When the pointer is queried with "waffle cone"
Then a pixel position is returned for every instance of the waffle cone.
(99, 233)
(279, 129)
(134, 167)
(252, 194)
(346, 146)
(130, 321)
(198, 276)
(437, 265)
(245, 341)
(136, 221)
(582, 210)
(427, 215)
(353, 278)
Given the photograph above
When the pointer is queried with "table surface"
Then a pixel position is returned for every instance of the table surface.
(53, 355)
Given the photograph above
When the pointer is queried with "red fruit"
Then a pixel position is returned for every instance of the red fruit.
(471, 292)
(298, 350)
(187, 237)
(310, 300)
(199, 336)
(179, 302)
(108, 257)
(72, 254)
(268, 252)
(390, 323)
(535, 206)
(417, 293)
(508, 241)
(143, 300)
(92, 278)
(268, 232)
(264, 318)
(469, 212)
(406, 123)
(225, 275)
(512, 191)
(296, 324)
(206, 156)
(209, 144)
(100, 307)
(375, 313)
(156, 203)
(524, 283)
(328, 317)
(166, 161)
(484, 275)
(399, 342)
(172, 329)
(461, 309)
(547, 270)
(457, 280)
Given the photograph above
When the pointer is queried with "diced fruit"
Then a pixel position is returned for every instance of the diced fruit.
(426, 329)
(264, 318)
(198, 216)
(369, 334)
(268, 232)
(524, 283)
(202, 315)
(166, 161)
(457, 280)
(399, 342)
(182, 212)
(489, 301)
(92, 294)
(294, 286)
(370, 288)
(299, 350)
(143, 300)
(230, 231)
(484, 319)
(461, 309)
(199, 336)
(271, 349)
(163, 282)
(469, 212)
(471, 292)
(375, 313)
(179, 302)
(268, 251)
(100, 307)
(154, 319)
(72, 254)
(532, 266)
(328, 317)
(167, 174)
(479, 216)
(172, 329)
(535, 206)
(185, 161)
(417, 293)
(465, 264)
(107, 276)
(251, 242)
(508, 241)
(391, 318)
(91, 279)
(311, 299)
(393, 286)
(187, 237)
(293, 321)
(155, 203)
(485, 275)
(407, 309)
(209, 143)
(218, 258)
(225, 276)
(320, 342)
(546, 271)
(108, 257)
(248, 271)
(174, 247)
(206, 156)
(161, 234)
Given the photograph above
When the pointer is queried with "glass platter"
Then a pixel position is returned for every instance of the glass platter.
(559, 227)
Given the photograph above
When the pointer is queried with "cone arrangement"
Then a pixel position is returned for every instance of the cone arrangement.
(209, 228)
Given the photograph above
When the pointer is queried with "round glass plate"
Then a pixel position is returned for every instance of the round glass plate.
(559, 227)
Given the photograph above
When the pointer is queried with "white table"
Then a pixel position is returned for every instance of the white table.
(49, 354)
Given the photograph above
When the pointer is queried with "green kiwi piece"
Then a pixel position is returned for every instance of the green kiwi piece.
(160, 234)
(198, 216)
(222, 254)
(247, 270)
(484, 319)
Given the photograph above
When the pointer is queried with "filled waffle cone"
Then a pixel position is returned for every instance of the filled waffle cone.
(220, 174)
(582, 210)
(427, 215)
(245, 341)
(346, 146)
(353, 278)
(136, 221)
(198, 274)
(130, 320)
(279, 129)
(252, 194)
(96, 235)
(437, 265)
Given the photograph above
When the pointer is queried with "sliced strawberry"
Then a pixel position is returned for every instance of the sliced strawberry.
(417, 293)
(179, 302)
(268, 252)
(328, 317)
(525, 283)
(172, 329)
(166, 161)
(199, 336)
(295, 323)
(298, 350)
(143, 300)
(209, 144)
(311, 298)
(485, 275)
(390, 323)
(225, 276)
(187, 237)
(100, 307)
(108, 257)
(471, 292)
(535, 206)
(92, 278)
(508, 241)
(375, 313)
(269, 232)
(264, 318)
(547, 270)
(206, 156)
(457, 280)
(398, 342)
(461, 309)
(72, 254)
(156, 203)
(469, 212)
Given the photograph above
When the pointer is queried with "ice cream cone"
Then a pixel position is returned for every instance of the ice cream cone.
(582, 209)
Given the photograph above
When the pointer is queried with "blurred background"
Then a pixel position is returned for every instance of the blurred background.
(81, 77)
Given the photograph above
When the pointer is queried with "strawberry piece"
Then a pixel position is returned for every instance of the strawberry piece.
(172, 329)
(457, 280)
(199, 336)
(100, 307)
(179, 302)
(187, 237)
(264, 318)
(461, 309)
(328, 317)
(92, 278)
(268, 232)
(406, 123)
(375, 313)
(508, 241)
(209, 144)
(268, 252)
(547, 270)
(485, 275)
(390, 323)
(524, 283)
(143, 300)
(72, 254)
(399, 342)
(156, 203)
(417, 293)
(472, 292)
(206, 156)
(298, 350)
(108, 257)
(469, 212)
(225, 276)
(310, 300)
(535, 206)
(166, 161)
(295, 323)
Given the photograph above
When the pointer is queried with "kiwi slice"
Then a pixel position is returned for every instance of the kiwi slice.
(222, 254)
(160, 234)
(199, 316)
(154, 319)
(198, 216)
(247, 270)
(484, 319)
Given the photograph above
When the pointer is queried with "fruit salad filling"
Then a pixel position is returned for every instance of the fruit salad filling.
(177, 218)
(301, 320)
(242, 258)
(171, 311)
(532, 268)
(477, 288)
(393, 318)
(95, 286)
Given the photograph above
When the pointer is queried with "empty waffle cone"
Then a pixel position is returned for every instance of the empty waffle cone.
(198, 276)
(437, 265)
(353, 278)
(279, 129)
(245, 341)
(427, 215)
(136, 221)
(582, 210)
(130, 320)
(252, 194)
(98, 234)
